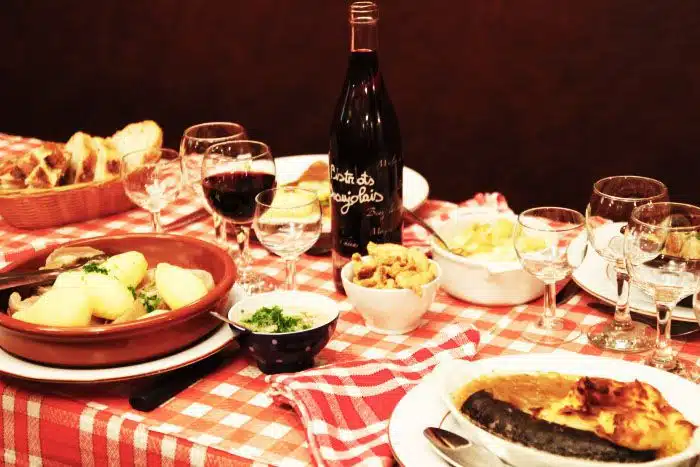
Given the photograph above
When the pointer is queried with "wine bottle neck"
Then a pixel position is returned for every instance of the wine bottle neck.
(363, 25)
(364, 37)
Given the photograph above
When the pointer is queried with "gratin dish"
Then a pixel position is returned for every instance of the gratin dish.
(451, 376)
(135, 341)
(482, 281)
(393, 311)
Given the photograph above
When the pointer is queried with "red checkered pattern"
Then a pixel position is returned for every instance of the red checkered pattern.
(345, 407)
(228, 418)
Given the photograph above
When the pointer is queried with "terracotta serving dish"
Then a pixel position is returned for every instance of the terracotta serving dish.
(135, 341)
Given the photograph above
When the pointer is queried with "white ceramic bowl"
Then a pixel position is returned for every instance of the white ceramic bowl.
(481, 281)
(680, 393)
(393, 311)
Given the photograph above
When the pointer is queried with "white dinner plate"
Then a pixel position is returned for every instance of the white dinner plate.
(427, 405)
(592, 277)
(18, 368)
(415, 186)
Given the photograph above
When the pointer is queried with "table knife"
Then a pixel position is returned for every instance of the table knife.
(164, 387)
(567, 292)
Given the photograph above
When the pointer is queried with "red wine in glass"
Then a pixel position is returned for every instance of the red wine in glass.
(232, 194)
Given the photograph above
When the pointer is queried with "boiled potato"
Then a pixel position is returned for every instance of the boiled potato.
(178, 287)
(136, 312)
(66, 307)
(129, 267)
(153, 313)
(109, 298)
(69, 279)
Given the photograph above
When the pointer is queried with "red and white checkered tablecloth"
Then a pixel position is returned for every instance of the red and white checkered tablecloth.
(226, 418)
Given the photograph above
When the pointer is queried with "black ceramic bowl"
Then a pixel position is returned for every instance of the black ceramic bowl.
(290, 351)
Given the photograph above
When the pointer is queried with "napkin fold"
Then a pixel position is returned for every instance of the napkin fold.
(345, 407)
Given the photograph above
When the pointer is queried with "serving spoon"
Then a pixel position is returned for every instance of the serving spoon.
(414, 218)
(459, 451)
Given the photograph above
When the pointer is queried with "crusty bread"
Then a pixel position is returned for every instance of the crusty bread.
(11, 177)
(138, 136)
(49, 163)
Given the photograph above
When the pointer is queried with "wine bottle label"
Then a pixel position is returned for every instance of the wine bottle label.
(352, 190)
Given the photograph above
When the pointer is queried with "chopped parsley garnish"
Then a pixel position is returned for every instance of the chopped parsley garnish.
(150, 301)
(272, 319)
(132, 289)
(95, 267)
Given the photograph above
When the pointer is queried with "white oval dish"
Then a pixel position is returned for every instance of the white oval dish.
(478, 280)
(393, 311)
(680, 393)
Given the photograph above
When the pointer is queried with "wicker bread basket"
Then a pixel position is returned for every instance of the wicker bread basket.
(33, 208)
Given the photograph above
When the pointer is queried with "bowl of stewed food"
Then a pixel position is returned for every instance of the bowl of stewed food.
(116, 300)
(479, 262)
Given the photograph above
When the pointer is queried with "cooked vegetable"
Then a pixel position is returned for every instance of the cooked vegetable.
(273, 319)
(130, 267)
(179, 287)
(491, 240)
(507, 421)
(58, 307)
(109, 298)
(95, 267)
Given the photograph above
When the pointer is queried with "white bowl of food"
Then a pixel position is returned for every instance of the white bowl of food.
(481, 265)
(573, 410)
(391, 301)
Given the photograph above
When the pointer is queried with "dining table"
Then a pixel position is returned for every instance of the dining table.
(228, 417)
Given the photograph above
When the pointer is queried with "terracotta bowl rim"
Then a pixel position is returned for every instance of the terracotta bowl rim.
(133, 327)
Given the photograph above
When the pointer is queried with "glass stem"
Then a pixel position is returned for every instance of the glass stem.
(155, 222)
(622, 319)
(220, 229)
(243, 238)
(550, 305)
(290, 278)
(663, 355)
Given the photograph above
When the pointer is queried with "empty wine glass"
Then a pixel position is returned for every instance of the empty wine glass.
(550, 243)
(607, 214)
(288, 223)
(662, 250)
(233, 174)
(193, 145)
(152, 179)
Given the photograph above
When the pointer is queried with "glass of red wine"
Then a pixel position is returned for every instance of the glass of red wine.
(233, 174)
(193, 145)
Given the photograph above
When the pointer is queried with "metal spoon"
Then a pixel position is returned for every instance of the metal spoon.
(413, 217)
(459, 451)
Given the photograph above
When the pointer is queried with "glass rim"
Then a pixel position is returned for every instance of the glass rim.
(266, 152)
(597, 190)
(174, 153)
(287, 188)
(220, 138)
(582, 223)
(634, 217)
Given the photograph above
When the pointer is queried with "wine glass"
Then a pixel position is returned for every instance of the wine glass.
(550, 243)
(607, 214)
(288, 223)
(194, 143)
(233, 174)
(152, 179)
(662, 251)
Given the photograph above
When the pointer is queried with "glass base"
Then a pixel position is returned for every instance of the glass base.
(675, 366)
(637, 337)
(251, 283)
(558, 331)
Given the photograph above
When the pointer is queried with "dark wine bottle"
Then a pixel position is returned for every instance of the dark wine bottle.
(366, 163)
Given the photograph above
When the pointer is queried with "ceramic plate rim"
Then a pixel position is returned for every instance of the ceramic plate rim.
(686, 314)
(215, 342)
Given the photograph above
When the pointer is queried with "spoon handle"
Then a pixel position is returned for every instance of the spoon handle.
(414, 218)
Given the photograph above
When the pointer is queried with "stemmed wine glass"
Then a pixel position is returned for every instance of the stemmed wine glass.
(288, 223)
(194, 143)
(662, 251)
(233, 174)
(152, 179)
(607, 214)
(550, 243)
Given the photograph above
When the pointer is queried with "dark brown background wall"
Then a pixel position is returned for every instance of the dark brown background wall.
(535, 98)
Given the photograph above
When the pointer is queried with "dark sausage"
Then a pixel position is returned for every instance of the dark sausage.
(509, 422)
